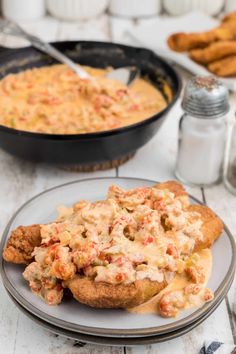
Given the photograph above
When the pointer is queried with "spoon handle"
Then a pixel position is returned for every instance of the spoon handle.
(14, 29)
(56, 54)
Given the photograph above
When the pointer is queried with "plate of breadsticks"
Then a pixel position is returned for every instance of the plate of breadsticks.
(199, 43)
(215, 49)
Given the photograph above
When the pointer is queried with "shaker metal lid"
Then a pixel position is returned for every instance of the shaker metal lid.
(205, 97)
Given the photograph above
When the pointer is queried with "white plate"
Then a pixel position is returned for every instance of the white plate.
(133, 341)
(154, 33)
(74, 316)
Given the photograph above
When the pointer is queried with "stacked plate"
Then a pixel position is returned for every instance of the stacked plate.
(102, 326)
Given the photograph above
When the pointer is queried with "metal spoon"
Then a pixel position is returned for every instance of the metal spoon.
(126, 75)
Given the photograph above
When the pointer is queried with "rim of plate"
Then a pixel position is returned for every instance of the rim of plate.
(115, 341)
(219, 293)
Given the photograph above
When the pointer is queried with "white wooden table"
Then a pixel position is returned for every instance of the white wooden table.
(21, 180)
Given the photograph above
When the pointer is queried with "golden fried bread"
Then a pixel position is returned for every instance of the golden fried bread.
(182, 42)
(211, 228)
(105, 295)
(231, 27)
(213, 52)
(231, 17)
(21, 244)
(225, 67)
(174, 187)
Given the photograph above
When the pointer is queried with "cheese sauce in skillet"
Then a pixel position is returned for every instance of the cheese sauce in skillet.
(55, 100)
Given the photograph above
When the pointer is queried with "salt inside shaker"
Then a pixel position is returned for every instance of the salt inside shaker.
(202, 132)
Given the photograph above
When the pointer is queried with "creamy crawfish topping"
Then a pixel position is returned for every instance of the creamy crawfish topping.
(131, 235)
(55, 100)
(183, 291)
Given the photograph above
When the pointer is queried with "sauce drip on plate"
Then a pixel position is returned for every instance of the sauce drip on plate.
(179, 284)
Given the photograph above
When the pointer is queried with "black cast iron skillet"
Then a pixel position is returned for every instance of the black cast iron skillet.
(92, 148)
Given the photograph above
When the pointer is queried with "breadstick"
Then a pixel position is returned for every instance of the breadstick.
(231, 17)
(181, 42)
(224, 67)
(213, 52)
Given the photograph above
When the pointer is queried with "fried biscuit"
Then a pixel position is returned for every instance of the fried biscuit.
(211, 228)
(105, 295)
(21, 244)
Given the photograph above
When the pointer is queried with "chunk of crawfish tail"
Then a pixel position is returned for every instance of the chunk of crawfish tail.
(171, 303)
(208, 295)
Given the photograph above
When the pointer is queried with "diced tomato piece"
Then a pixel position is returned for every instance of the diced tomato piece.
(148, 240)
(134, 107)
(120, 277)
(172, 250)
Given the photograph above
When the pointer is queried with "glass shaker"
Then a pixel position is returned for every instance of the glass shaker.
(202, 132)
(230, 161)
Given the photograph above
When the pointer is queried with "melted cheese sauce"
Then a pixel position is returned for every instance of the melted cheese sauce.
(55, 100)
(179, 283)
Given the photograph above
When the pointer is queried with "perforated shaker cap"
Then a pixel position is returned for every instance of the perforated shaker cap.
(205, 97)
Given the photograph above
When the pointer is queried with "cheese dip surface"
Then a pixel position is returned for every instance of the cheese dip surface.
(55, 100)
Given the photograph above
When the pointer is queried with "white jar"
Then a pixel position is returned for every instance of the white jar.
(230, 5)
(202, 132)
(73, 10)
(201, 150)
(20, 10)
(135, 8)
(181, 7)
